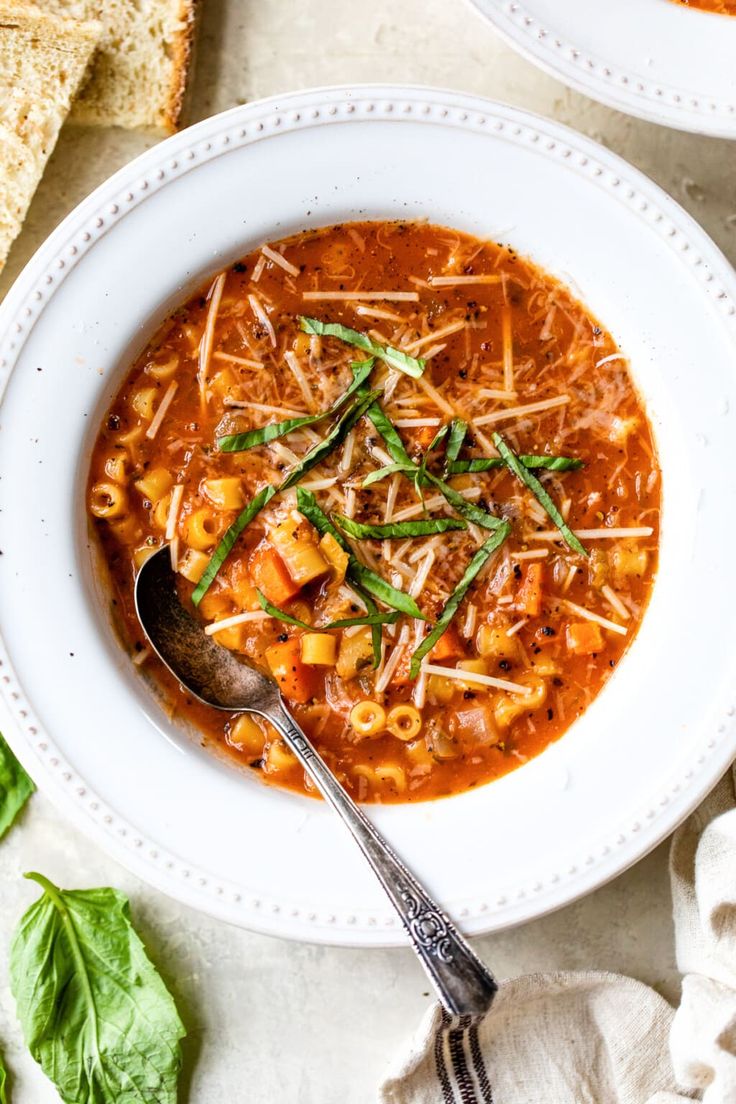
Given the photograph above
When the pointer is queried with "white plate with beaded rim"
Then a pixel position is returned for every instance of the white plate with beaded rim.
(657, 59)
(660, 733)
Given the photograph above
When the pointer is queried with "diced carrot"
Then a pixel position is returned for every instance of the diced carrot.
(296, 681)
(584, 638)
(449, 646)
(269, 574)
(529, 594)
(426, 435)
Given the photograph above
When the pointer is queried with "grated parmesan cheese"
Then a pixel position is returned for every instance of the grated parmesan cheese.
(472, 676)
(361, 296)
(161, 412)
(588, 615)
(172, 517)
(277, 259)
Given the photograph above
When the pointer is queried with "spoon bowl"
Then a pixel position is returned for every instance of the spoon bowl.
(219, 679)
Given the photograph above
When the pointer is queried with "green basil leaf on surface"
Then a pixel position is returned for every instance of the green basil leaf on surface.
(377, 586)
(434, 444)
(94, 1011)
(529, 480)
(419, 475)
(307, 505)
(540, 463)
(362, 578)
(15, 787)
(328, 444)
(311, 459)
(453, 602)
(395, 358)
(398, 530)
(458, 430)
(390, 469)
(341, 623)
(224, 548)
(463, 507)
(3, 1076)
(240, 442)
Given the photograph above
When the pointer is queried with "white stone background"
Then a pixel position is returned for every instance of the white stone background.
(271, 1021)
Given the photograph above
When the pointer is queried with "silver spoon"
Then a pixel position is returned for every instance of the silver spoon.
(213, 674)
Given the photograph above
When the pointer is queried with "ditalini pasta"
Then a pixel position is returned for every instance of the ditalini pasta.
(407, 474)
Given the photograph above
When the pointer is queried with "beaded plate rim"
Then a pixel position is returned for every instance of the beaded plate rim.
(23, 305)
(616, 86)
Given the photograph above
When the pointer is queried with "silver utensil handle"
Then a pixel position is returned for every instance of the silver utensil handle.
(463, 984)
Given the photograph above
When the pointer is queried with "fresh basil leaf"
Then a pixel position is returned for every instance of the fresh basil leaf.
(377, 586)
(486, 463)
(453, 602)
(224, 548)
(3, 1075)
(434, 444)
(403, 463)
(544, 500)
(395, 358)
(315, 456)
(341, 623)
(390, 435)
(383, 473)
(461, 505)
(335, 437)
(15, 787)
(307, 505)
(239, 442)
(362, 578)
(94, 1011)
(458, 431)
(371, 619)
(280, 614)
(398, 530)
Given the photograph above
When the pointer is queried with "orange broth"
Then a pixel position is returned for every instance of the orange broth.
(506, 348)
(721, 7)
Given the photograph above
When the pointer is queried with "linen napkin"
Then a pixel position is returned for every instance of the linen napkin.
(597, 1038)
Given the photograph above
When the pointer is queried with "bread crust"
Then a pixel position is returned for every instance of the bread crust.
(182, 59)
(35, 44)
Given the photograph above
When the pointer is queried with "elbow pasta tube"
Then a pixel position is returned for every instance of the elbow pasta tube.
(368, 718)
(247, 735)
(192, 565)
(132, 438)
(392, 774)
(404, 722)
(512, 706)
(108, 500)
(278, 757)
(116, 468)
(161, 511)
(144, 401)
(165, 370)
(201, 530)
(143, 553)
(226, 494)
(155, 484)
(319, 649)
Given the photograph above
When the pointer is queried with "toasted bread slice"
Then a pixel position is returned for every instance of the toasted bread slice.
(139, 73)
(43, 61)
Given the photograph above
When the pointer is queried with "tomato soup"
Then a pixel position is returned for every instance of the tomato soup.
(722, 7)
(407, 474)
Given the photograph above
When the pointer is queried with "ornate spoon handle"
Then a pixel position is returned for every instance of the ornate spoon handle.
(462, 982)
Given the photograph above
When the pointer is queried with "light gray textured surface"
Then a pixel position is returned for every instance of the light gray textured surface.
(270, 1021)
